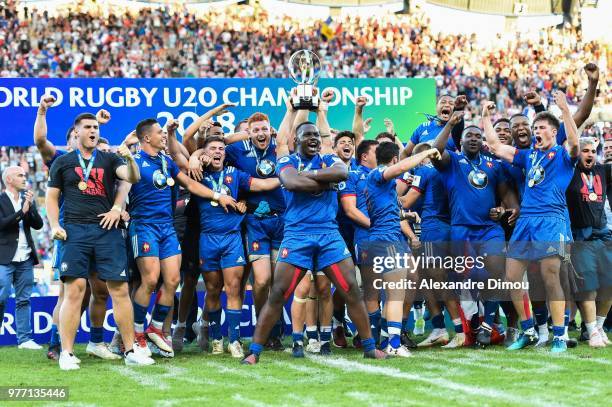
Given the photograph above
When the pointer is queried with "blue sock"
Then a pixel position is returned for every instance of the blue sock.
(160, 312)
(405, 327)
(312, 333)
(384, 333)
(325, 334)
(395, 330)
(255, 348)
(438, 321)
(368, 344)
(527, 324)
(233, 324)
(375, 325)
(55, 339)
(541, 315)
(96, 334)
(276, 329)
(490, 307)
(558, 331)
(214, 327)
(297, 337)
(140, 314)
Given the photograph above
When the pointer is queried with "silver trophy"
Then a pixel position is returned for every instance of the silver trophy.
(305, 69)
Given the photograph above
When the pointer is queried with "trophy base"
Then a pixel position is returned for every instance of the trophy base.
(304, 98)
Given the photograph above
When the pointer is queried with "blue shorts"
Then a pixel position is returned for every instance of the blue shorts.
(361, 252)
(313, 252)
(485, 240)
(592, 259)
(435, 237)
(538, 237)
(88, 246)
(154, 240)
(263, 234)
(382, 255)
(219, 252)
(347, 231)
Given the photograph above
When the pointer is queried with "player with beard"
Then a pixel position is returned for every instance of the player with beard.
(429, 130)
(88, 189)
(96, 294)
(541, 231)
(591, 254)
(264, 220)
(311, 236)
(154, 242)
(475, 184)
(221, 249)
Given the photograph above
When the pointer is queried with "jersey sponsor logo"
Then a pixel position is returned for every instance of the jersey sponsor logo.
(160, 181)
(146, 247)
(478, 180)
(537, 175)
(284, 253)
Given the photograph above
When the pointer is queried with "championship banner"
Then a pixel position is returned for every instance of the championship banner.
(42, 316)
(131, 100)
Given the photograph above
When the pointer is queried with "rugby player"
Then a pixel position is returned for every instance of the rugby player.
(541, 230)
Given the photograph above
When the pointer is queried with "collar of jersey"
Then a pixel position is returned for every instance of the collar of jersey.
(364, 169)
(150, 157)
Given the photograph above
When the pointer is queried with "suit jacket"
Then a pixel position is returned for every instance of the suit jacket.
(9, 229)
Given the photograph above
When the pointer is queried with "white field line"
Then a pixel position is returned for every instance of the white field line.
(486, 363)
(366, 398)
(302, 400)
(249, 402)
(144, 379)
(175, 402)
(352, 366)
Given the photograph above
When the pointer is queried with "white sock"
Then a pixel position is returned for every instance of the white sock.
(139, 328)
(336, 323)
(180, 324)
(591, 327)
(157, 324)
(543, 330)
(600, 321)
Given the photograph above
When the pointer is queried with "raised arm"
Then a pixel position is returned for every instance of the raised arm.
(285, 129)
(586, 104)
(409, 163)
(570, 125)
(188, 136)
(323, 123)
(501, 150)
(360, 103)
(46, 148)
(129, 172)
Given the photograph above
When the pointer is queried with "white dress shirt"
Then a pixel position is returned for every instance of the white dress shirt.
(23, 250)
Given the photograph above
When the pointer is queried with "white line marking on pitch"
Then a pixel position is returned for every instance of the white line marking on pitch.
(144, 379)
(250, 402)
(170, 403)
(352, 366)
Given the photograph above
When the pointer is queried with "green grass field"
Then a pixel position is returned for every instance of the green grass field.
(493, 376)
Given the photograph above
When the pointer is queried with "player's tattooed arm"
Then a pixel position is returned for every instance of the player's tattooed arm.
(349, 204)
(336, 173)
(46, 148)
(188, 136)
(293, 181)
(570, 125)
(501, 150)
(407, 164)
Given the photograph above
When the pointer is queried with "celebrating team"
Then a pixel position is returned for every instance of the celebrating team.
(302, 212)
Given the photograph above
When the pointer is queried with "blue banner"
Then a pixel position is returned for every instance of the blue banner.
(131, 100)
(42, 317)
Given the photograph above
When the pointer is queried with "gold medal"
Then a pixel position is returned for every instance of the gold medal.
(592, 197)
(531, 183)
(82, 185)
(170, 182)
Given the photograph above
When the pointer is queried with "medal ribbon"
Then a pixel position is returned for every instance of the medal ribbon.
(535, 164)
(164, 165)
(475, 166)
(217, 185)
(308, 167)
(588, 181)
(86, 170)
(254, 152)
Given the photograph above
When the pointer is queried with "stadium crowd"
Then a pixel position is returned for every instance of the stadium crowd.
(308, 203)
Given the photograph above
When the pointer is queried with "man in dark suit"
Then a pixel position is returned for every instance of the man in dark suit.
(17, 252)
